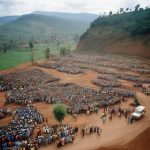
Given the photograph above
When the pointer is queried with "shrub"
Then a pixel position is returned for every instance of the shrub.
(59, 112)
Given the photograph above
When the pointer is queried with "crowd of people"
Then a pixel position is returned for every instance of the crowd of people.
(122, 76)
(25, 87)
(5, 112)
(28, 86)
(60, 66)
(126, 66)
(111, 112)
(90, 130)
(106, 83)
(19, 133)
(28, 78)
(146, 90)
(118, 92)
(58, 134)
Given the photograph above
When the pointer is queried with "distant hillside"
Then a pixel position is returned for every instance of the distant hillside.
(6, 19)
(126, 33)
(41, 27)
(71, 16)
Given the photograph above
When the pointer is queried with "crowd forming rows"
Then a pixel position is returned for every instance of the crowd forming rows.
(122, 76)
(5, 112)
(106, 82)
(79, 64)
(62, 67)
(28, 86)
(146, 90)
(18, 134)
(33, 85)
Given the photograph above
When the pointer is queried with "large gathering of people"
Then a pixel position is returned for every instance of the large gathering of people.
(18, 134)
(67, 68)
(106, 83)
(118, 92)
(33, 85)
(27, 86)
(5, 112)
(127, 66)
(146, 90)
(90, 130)
(59, 134)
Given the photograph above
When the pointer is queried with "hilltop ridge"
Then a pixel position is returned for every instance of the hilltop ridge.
(125, 33)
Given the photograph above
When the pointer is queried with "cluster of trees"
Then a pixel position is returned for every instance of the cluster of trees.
(6, 44)
(122, 10)
(65, 50)
(135, 22)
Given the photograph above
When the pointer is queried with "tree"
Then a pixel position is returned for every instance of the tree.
(136, 102)
(58, 44)
(76, 38)
(59, 112)
(105, 14)
(141, 9)
(31, 45)
(110, 13)
(121, 10)
(5, 48)
(137, 7)
(47, 53)
(127, 9)
(32, 56)
(65, 50)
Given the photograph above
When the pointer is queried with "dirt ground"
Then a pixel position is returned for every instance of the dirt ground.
(116, 133)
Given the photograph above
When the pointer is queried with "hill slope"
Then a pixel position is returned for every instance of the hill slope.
(6, 19)
(40, 27)
(141, 142)
(70, 16)
(127, 33)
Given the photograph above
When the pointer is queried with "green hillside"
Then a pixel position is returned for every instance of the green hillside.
(125, 33)
(41, 27)
(70, 16)
(43, 31)
(6, 19)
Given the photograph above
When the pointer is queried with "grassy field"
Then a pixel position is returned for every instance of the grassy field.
(23, 55)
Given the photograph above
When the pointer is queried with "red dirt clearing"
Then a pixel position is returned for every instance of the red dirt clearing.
(116, 133)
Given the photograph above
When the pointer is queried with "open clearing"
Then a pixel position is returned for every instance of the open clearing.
(116, 132)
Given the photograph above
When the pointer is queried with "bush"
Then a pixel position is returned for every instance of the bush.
(59, 112)
(64, 51)
(47, 53)
(136, 102)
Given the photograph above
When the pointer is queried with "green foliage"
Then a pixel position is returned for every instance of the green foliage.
(110, 13)
(40, 27)
(59, 112)
(32, 56)
(136, 102)
(22, 55)
(136, 22)
(137, 7)
(47, 53)
(31, 44)
(65, 50)
(1, 80)
(5, 48)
